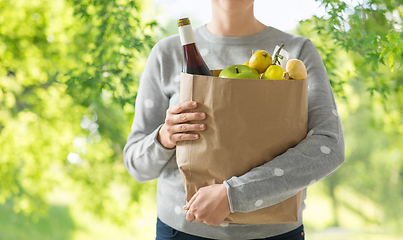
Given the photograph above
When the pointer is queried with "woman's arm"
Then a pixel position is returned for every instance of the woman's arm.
(143, 156)
(157, 128)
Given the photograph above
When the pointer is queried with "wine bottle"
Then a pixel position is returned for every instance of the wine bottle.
(193, 62)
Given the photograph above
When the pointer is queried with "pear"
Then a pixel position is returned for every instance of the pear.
(295, 69)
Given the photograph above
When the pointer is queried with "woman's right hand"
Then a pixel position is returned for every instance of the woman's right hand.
(177, 127)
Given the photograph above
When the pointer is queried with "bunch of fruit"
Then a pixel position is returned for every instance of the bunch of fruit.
(261, 65)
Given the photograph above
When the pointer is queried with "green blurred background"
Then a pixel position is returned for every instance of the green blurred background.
(69, 73)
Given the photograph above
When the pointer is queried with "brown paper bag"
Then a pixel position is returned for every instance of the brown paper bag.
(249, 122)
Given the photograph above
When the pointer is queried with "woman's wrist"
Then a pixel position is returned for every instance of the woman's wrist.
(163, 139)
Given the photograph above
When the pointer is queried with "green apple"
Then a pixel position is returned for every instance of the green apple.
(239, 71)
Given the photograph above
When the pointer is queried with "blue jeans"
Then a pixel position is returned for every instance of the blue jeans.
(165, 232)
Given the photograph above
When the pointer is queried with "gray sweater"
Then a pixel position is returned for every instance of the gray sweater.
(314, 158)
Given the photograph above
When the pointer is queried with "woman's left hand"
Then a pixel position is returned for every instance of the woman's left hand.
(209, 205)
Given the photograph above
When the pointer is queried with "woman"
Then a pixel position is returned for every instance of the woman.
(160, 122)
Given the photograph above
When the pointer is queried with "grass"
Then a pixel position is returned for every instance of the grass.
(57, 225)
(67, 222)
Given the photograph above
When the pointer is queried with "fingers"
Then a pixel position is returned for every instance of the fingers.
(191, 214)
(177, 127)
(190, 217)
(198, 220)
(184, 117)
(180, 107)
(209, 205)
(177, 122)
(184, 137)
(191, 201)
(179, 132)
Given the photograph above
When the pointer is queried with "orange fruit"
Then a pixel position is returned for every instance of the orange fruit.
(260, 61)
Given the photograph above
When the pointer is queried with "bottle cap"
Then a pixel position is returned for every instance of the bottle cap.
(183, 22)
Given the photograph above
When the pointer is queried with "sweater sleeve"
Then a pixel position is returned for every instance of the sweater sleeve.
(314, 158)
(144, 157)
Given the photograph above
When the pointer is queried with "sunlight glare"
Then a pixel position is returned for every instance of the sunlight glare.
(73, 158)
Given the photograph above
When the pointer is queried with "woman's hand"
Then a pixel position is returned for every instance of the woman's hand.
(177, 127)
(209, 205)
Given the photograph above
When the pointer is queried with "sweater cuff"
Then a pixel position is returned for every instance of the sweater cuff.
(229, 196)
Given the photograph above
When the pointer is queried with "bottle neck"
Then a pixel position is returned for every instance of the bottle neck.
(186, 35)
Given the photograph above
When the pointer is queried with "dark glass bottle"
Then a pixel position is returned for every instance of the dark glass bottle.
(193, 62)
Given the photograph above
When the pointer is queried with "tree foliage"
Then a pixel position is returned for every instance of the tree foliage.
(68, 79)
(361, 46)
(373, 30)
